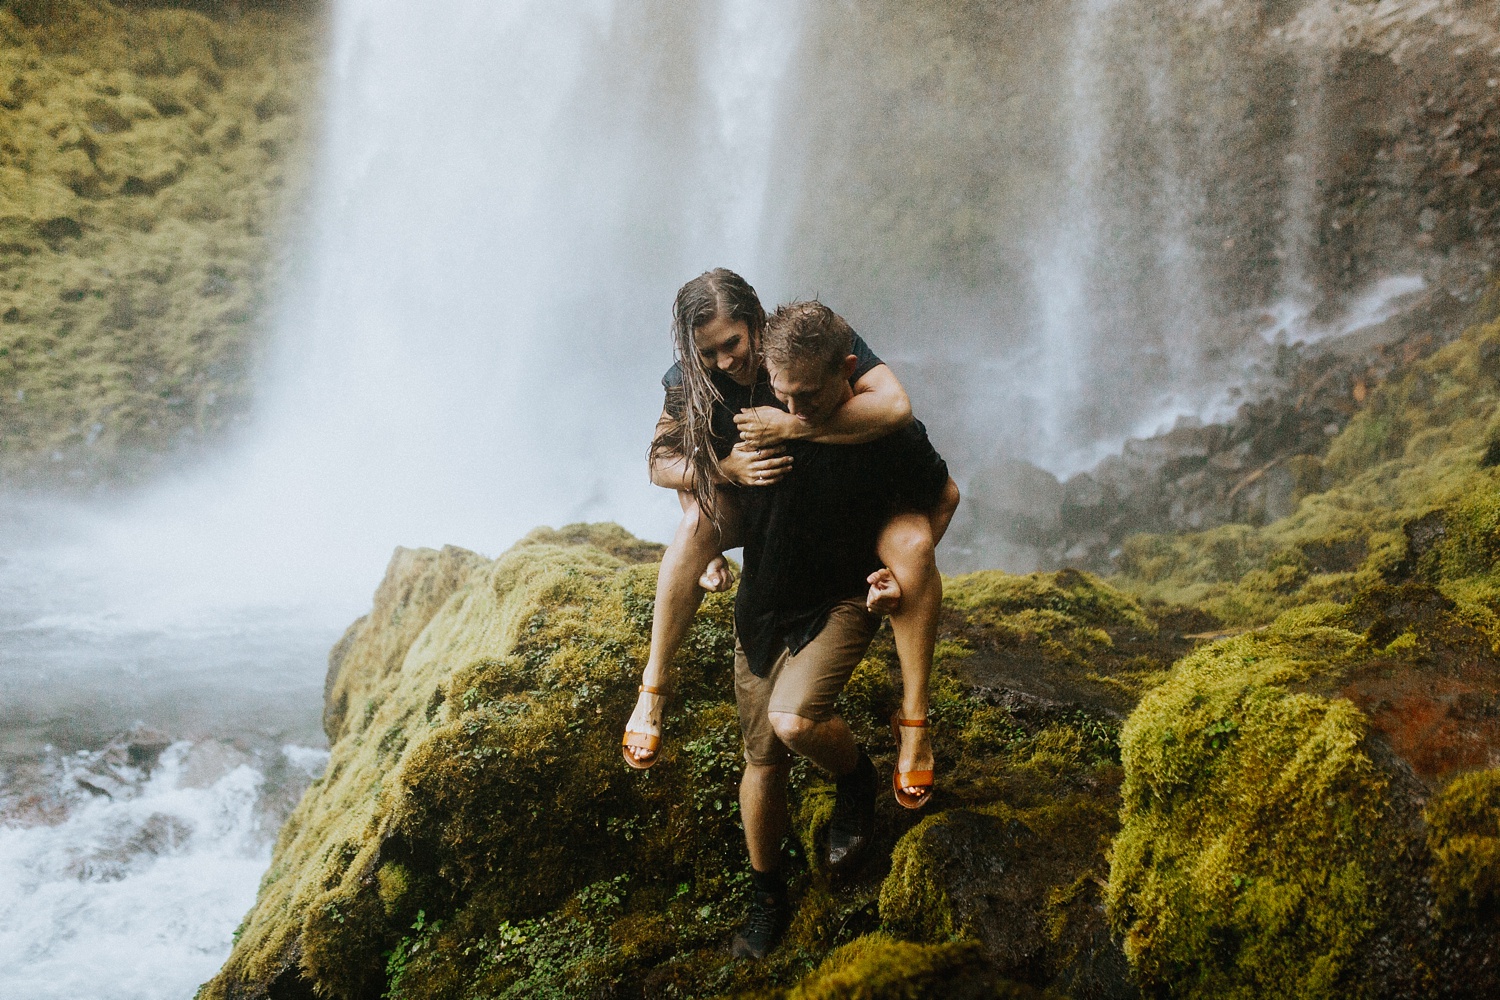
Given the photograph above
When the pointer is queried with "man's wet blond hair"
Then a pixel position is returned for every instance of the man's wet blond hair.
(799, 332)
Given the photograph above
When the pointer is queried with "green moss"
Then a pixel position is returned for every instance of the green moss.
(1258, 851)
(912, 899)
(1065, 636)
(879, 967)
(1464, 837)
(1080, 600)
(1416, 447)
(147, 161)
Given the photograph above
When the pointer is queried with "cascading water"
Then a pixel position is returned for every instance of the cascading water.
(507, 201)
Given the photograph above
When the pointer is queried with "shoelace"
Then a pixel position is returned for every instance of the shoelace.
(763, 916)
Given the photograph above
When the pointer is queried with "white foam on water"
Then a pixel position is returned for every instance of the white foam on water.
(134, 897)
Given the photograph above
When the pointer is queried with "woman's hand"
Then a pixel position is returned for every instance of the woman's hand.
(766, 426)
(748, 466)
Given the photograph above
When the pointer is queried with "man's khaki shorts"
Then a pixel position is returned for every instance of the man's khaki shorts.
(806, 684)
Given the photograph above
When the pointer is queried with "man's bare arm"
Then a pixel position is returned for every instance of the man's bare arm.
(878, 407)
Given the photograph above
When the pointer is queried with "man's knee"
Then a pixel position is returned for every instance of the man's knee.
(761, 774)
(791, 729)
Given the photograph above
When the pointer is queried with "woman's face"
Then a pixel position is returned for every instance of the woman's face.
(724, 344)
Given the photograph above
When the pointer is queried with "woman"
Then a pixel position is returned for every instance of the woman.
(721, 431)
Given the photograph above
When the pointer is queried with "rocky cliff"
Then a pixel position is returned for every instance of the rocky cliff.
(149, 159)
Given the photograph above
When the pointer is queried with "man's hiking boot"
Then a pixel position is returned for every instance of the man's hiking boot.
(762, 927)
(853, 824)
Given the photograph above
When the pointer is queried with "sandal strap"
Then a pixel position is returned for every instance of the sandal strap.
(914, 779)
(916, 723)
(642, 741)
(648, 689)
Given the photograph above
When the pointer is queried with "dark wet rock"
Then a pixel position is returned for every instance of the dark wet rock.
(209, 760)
(995, 876)
(123, 765)
(1016, 500)
(131, 847)
(1253, 469)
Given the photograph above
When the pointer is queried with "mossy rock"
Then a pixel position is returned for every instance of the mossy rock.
(1023, 883)
(880, 967)
(1409, 489)
(477, 770)
(1272, 842)
(1053, 639)
(477, 834)
(1463, 836)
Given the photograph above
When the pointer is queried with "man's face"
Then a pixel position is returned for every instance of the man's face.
(811, 390)
(724, 344)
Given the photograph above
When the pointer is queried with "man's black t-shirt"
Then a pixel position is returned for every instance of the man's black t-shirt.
(740, 397)
(810, 539)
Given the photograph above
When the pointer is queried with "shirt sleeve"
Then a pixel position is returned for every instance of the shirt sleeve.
(671, 382)
(867, 359)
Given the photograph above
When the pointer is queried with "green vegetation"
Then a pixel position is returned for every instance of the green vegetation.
(148, 160)
(1272, 836)
(1258, 850)
(1426, 444)
(1287, 790)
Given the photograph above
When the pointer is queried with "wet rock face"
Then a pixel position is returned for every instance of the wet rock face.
(1252, 470)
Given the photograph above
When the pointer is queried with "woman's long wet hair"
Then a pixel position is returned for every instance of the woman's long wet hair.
(690, 407)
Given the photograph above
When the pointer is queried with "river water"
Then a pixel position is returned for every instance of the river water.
(150, 751)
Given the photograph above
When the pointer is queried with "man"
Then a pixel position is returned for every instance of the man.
(801, 622)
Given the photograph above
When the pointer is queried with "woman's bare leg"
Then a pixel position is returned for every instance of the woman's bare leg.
(907, 546)
(679, 591)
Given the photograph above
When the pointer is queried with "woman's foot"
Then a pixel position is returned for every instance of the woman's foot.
(914, 764)
(643, 731)
(717, 576)
(885, 593)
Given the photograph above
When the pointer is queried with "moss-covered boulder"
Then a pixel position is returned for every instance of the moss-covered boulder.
(477, 833)
(1272, 839)
(1309, 805)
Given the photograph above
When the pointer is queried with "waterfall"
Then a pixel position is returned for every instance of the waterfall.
(507, 199)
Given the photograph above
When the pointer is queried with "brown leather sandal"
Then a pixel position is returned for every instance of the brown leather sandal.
(901, 780)
(648, 742)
